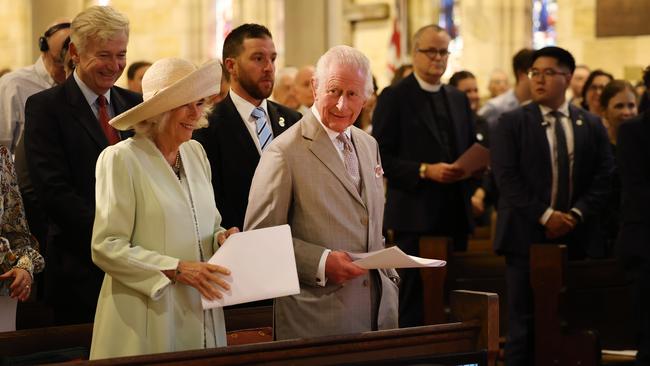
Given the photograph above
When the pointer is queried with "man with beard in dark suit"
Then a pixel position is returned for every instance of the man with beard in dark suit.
(66, 128)
(552, 164)
(245, 122)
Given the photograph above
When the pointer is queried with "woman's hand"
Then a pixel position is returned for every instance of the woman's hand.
(222, 236)
(21, 286)
(203, 277)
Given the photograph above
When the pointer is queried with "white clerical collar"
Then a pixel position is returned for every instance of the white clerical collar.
(91, 96)
(427, 86)
(330, 132)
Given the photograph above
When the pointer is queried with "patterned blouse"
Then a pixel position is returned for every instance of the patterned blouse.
(14, 232)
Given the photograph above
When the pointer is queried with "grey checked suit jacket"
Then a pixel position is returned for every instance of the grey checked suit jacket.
(301, 180)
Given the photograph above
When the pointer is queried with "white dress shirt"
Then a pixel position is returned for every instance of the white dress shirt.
(549, 123)
(245, 108)
(15, 88)
(91, 97)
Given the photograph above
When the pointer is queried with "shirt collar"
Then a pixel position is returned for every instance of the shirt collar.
(564, 109)
(427, 86)
(330, 132)
(90, 95)
(42, 73)
(244, 107)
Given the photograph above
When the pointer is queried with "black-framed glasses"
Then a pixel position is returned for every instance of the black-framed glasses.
(549, 73)
(433, 52)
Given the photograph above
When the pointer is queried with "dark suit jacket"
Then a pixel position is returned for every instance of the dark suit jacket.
(62, 142)
(404, 125)
(233, 155)
(634, 170)
(522, 168)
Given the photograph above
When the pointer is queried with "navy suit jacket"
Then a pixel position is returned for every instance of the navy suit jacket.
(233, 155)
(633, 150)
(522, 168)
(405, 127)
(63, 140)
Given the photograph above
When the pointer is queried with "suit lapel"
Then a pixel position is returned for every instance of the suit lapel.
(420, 103)
(83, 114)
(579, 137)
(323, 148)
(538, 128)
(459, 126)
(240, 134)
(278, 124)
(119, 106)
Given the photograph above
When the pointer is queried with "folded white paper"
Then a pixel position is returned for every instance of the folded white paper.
(475, 158)
(392, 257)
(262, 266)
(7, 314)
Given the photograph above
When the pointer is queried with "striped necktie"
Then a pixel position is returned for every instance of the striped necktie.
(350, 160)
(263, 129)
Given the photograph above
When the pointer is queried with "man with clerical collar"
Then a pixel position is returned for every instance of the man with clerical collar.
(422, 127)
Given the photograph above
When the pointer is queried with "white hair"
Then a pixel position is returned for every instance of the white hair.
(102, 22)
(288, 71)
(348, 57)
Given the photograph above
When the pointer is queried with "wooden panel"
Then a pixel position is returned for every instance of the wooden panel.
(622, 18)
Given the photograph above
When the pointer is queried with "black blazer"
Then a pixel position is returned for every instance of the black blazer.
(404, 126)
(522, 168)
(233, 155)
(633, 150)
(63, 140)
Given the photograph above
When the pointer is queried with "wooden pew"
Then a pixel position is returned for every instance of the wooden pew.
(476, 269)
(581, 307)
(472, 339)
(243, 325)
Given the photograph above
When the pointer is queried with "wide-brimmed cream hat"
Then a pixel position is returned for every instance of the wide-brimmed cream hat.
(170, 83)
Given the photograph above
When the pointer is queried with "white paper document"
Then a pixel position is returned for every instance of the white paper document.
(392, 257)
(7, 314)
(475, 158)
(262, 266)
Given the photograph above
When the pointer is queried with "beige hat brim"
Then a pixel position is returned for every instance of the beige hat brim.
(201, 83)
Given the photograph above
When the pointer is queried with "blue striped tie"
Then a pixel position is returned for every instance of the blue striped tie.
(264, 133)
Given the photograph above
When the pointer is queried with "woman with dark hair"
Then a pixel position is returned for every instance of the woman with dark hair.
(618, 103)
(593, 88)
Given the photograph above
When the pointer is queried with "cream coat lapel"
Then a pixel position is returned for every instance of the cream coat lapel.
(325, 151)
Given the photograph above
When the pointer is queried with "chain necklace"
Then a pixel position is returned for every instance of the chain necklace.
(177, 165)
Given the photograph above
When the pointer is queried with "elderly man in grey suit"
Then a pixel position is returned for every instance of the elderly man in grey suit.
(323, 177)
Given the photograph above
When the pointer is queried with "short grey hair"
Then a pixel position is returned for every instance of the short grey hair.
(152, 127)
(102, 22)
(416, 37)
(348, 57)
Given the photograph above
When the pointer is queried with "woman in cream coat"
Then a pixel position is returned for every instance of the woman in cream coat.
(156, 223)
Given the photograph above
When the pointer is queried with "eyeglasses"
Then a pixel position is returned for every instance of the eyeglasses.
(432, 52)
(595, 87)
(534, 73)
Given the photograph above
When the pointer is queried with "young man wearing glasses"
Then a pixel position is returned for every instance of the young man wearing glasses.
(552, 164)
(422, 127)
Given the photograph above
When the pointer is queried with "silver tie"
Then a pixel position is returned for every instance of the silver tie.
(350, 159)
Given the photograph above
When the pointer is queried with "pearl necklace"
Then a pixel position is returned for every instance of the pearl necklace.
(177, 165)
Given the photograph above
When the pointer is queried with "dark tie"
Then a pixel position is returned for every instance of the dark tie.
(562, 197)
(350, 159)
(264, 133)
(111, 134)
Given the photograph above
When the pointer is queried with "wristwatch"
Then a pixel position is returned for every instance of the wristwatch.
(423, 170)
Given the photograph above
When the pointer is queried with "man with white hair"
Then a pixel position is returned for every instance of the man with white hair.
(323, 176)
(17, 86)
(66, 128)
